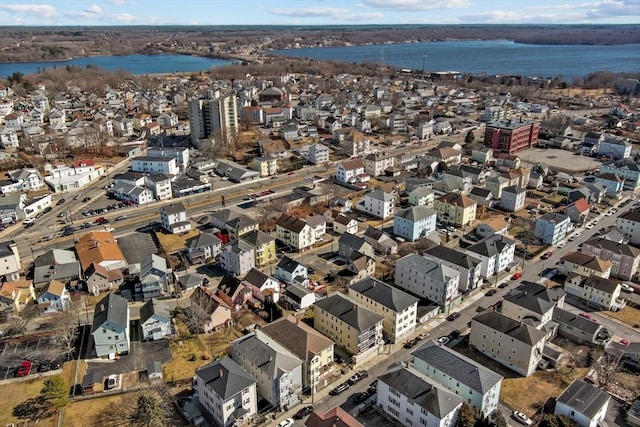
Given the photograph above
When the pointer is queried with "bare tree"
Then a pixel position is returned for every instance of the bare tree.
(151, 407)
(605, 366)
(202, 305)
(68, 325)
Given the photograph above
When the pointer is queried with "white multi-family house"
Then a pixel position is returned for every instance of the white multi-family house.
(495, 253)
(238, 257)
(468, 266)
(379, 204)
(309, 345)
(629, 225)
(267, 166)
(155, 320)
(586, 265)
(612, 182)
(147, 164)
(10, 264)
(414, 222)
(26, 179)
(428, 279)
(625, 258)
(583, 403)
(627, 169)
(8, 137)
(552, 227)
(616, 147)
(352, 326)
(512, 199)
(409, 399)
(277, 371)
(351, 171)
(595, 291)
(54, 298)
(294, 232)
(291, 271)
(460, 375)
(173, 218)
(227, 392)
(318, 226)
(398, 308)
(81, 174)
(345, 224)
(318, 154)
(422, 196)
(181, 154)
(168, 119)
(514, 344)
(375, 164)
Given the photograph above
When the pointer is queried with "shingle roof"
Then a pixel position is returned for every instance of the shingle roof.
(417, 390)
(257, 238)
(298, 337)
(288, 264)
(98, 246)
(427, 267)
(491, 245)
(154, 306)
(112, 308)
(575, 321)
(456, 199)
(173, 208)
(335, 417)
(588, 261)
(632, 215)
(459, 367)
(380, 195)
(349, 311)
(225, 377)
(584, 398)
(265, 357)
(615, 247)
(534, 297)
(291, 223)
(384, 294)
(451, 255)
(519, 331)
(416, 213)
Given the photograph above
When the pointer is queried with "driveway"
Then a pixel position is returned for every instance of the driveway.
(141, 354)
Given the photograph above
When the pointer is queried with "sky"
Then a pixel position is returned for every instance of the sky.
(316, 12)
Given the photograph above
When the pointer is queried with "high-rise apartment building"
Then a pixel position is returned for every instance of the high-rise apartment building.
(212, 116)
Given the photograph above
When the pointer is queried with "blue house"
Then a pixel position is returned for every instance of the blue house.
(414, 222)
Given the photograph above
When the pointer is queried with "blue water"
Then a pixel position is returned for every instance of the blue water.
(487, 56)
(135, 64)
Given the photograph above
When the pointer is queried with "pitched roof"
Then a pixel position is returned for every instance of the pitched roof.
(386, 295)
(265, 357)
(352, 164)
(349, 311)
(587, 261)
(56, 288)
(113, 309)
(288, 264)
(496, 222)
(428, 267)
(584, 398)
(575, 321)
(457, 366)
(98, 246)
(225, 377)
(452, 255)
(632, 215)
(173, 208)
(615, 247)
(417, 390)
(298, 337)
(456, 199)
(291, 223)
(519, 331)
(491, 245)
(380, 195)
(416, 213)
(257, 238)
(605, 285)
(534, 297)
(154, 306)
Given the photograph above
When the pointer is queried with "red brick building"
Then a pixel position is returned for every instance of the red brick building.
(511, 136)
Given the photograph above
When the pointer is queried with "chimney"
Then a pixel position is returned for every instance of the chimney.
(220, 373)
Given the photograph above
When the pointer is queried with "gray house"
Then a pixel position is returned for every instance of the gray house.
(579, 329)
(155, 320)
(154, 276)
(202, 247)
(110, 329)
(468, 266)
(55, 264)
(278, 371)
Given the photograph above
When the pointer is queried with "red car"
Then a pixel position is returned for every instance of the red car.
(624, 341)
(588, 316)
(546, 255)
(24, 369)
(516, 276)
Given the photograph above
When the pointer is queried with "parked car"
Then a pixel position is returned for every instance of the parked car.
(454, 334)
(516, 276)
(360, 397)
(422, 336)
(546, 255)
(28, 221)
(410, 343)
(303, 412)
(286, 423)
(44, 367)
(102, 220)
(503, 285)
(358, 376)
(626, 288)
(562, 245)
(444, 340)
(453, 316)
(86, 199)
(522, 418)
(339, 389)
(61, 201)
(67, 231)
(588, 316)
(490, 292)
(112, 380)
(24, 369)
(624, 341)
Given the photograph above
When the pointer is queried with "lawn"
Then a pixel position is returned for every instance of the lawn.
(529, 394)
(629, 315)
(175, 242)
(16, 393)
(81, 413)
(187, 355)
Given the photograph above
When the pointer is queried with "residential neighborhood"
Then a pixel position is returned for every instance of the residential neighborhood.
(405, 250)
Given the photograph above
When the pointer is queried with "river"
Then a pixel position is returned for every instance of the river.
(487, 56)
(135, 64)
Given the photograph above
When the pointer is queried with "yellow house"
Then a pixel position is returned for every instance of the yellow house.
(14, 296)
(315, 349)
(264, 245)
(455, 209)
(267, 166)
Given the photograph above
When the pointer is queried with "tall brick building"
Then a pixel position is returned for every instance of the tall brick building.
(511, 136)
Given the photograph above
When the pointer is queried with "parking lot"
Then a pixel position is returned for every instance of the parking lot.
(41, 351)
